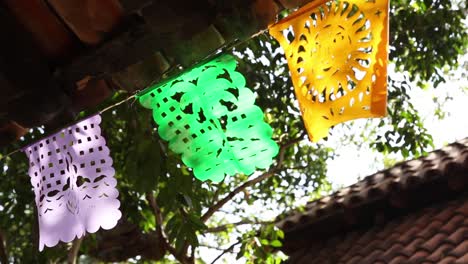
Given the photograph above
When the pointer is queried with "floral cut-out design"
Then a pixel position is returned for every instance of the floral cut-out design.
(337, 54)
(209, 117)
(73, 179)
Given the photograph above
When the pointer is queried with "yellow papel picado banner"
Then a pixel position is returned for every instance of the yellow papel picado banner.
(337, 53)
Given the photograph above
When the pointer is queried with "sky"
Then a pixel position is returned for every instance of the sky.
(353, 162)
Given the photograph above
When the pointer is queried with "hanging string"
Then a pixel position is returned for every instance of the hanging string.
(224, 49)
(118, 103)
(10, 153)
(99, 112)
(301, 11)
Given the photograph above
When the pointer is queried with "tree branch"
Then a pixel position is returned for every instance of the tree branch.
(237, 190)
(73, 252)
(214, 247)
(186, 242)
(160, 232)
(216, 193)
(222, 228)
(3, 251)
(254, 181)
(229, 249)
(192, 254)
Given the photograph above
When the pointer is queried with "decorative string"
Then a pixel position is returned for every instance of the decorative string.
(99, 112)
(299, 12)
(10, 153)
(224, 49)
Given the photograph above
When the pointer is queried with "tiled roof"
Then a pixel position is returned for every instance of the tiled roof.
(438, 234)
(369, 204)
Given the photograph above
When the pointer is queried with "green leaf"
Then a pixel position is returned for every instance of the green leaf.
(265, 242)
(144, 164)
(280, 233)
(196, 222)
(276, 243)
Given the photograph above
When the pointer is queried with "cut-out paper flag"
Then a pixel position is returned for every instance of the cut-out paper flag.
(209, 117)
(73, 179)
(337, 54)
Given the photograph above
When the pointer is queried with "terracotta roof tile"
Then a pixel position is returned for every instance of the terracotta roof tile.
(345, 244)
(371, 248)
(429, 232)
(408, 236)
(419, 257)
(464, 208)
(448, 260)
(455, 221)
(398, 260)
(430, 228)
(414, 246)
(462, 260)
(424, 241)
(373, 256)
(440, 252)
(355, 260)
(364, 239)
(433, 242)
(396, 247)
(398, 185)
(443, 216)
(459, 236)
(461, 249)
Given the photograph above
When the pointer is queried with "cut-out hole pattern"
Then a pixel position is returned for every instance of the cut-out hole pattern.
(336, 52)
(69, 203)
(224, 132)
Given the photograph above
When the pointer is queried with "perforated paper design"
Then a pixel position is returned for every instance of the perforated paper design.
(337, 56)
(209, 117)
(74, 183)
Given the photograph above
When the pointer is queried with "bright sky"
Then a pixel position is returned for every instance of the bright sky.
(353, 162)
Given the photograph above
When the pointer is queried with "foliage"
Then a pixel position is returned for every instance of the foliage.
(259, 246)
(186, 214)
(407, 134)
(426, 36)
